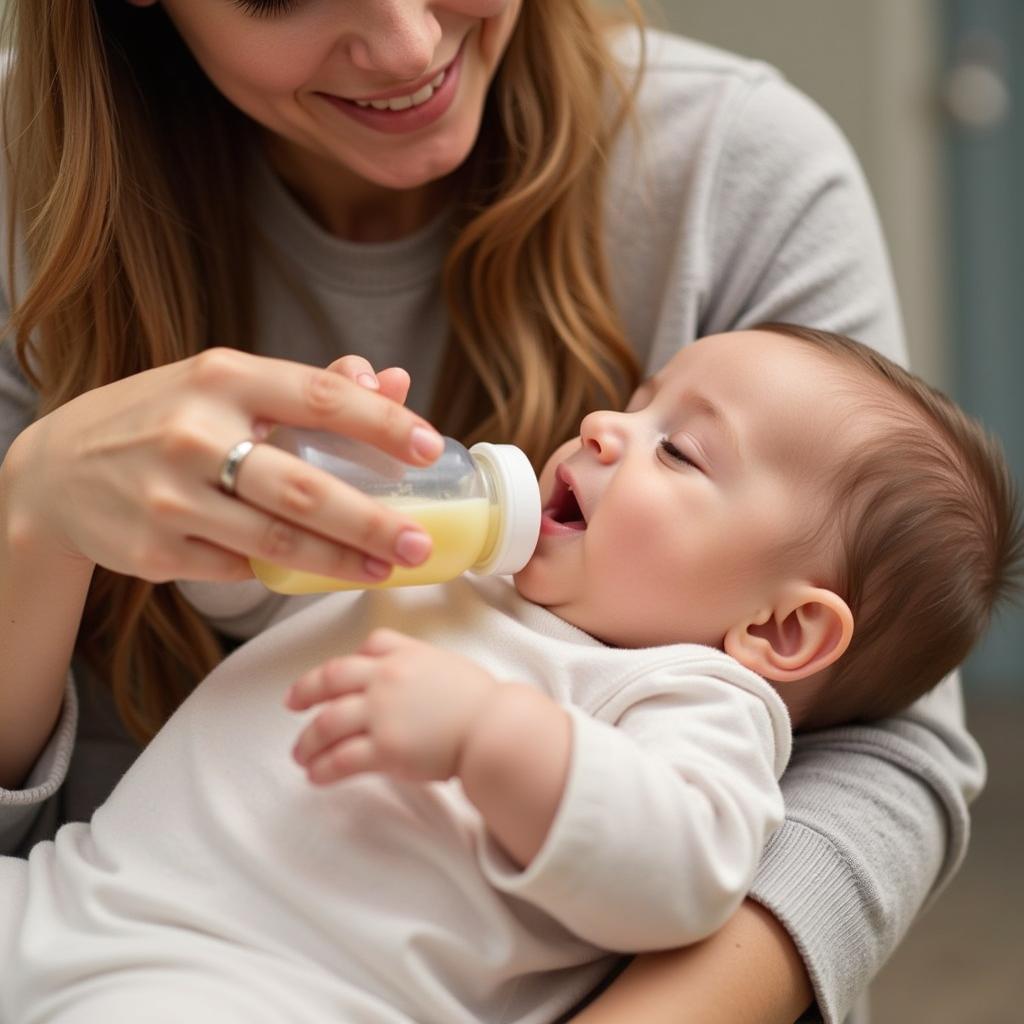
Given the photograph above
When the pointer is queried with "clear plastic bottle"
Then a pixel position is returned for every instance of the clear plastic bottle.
(481, 507)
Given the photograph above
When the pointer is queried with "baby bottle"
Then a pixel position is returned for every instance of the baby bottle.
(481, 507)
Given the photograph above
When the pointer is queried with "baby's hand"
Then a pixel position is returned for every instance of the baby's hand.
(397, 705)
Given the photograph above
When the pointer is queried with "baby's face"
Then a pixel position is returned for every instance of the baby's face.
(665, 523)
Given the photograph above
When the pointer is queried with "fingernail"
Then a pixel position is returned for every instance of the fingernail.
(427, 444)
(368, 381)
(412, 546)
(376, 568)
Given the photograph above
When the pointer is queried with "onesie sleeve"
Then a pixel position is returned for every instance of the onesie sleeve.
(876, 816)
(663, 818)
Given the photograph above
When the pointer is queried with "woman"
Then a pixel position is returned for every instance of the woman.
(485, 193)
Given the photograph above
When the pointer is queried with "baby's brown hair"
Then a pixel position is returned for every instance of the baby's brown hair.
(930, 537)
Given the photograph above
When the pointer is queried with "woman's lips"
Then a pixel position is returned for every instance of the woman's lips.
(397, 122)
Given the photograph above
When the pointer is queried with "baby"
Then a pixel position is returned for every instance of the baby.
(782, 529)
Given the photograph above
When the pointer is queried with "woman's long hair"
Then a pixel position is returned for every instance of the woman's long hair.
(126, 174)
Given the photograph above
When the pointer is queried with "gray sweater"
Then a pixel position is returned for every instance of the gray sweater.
(735, 201)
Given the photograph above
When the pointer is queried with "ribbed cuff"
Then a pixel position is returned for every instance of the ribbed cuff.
(20, 807)
(817, 907)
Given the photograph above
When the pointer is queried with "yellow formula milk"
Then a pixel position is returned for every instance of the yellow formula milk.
(481, 508)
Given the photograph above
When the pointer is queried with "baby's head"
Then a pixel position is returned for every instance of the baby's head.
(795, 499)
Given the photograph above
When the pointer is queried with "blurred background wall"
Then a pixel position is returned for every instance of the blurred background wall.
(930, 94)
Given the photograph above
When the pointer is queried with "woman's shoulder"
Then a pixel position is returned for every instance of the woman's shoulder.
(731, 176)
(689, 91)
(706, 122)
(666, 54)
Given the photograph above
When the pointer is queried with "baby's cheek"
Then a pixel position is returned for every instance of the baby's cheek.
(641, 555)
(630, 552)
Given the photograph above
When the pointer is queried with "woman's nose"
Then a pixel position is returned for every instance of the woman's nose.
(397, 39)
(603, 434)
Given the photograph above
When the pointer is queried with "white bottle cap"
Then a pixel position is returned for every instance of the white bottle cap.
(519, 497)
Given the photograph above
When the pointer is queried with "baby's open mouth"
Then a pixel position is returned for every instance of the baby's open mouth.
(563, 506)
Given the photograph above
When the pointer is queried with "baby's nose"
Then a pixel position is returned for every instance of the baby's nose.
(603, 434)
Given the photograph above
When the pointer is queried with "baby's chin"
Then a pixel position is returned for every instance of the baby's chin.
(535, 584)
(525, 582)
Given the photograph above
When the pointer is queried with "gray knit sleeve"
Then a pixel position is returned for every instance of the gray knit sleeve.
(32, 811)
(876, 823)
(876, 815)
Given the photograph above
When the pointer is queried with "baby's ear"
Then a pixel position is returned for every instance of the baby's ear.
(808, 629)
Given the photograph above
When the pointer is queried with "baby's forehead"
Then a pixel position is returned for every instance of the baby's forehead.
(741, 362)
(807, 405)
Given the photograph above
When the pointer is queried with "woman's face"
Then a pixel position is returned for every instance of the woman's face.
(392, 90)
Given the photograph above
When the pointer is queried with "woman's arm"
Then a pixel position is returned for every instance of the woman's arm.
(35, 634)
(748, 972)
(42, 593)
(877, 824)
(117, 477)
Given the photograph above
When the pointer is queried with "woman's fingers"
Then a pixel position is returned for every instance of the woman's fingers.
(356, 368)
(205, 561)
(188, 558)
(302, 517)
(127, 474)
(304, 396)
(392, 382)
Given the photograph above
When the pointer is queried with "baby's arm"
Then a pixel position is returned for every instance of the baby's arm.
(418, 712)
(639, 835)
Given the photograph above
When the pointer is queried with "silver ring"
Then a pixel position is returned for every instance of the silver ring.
(228, 476)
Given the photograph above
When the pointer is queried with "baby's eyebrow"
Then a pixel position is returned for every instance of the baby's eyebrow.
(712, 411)
(693, 401)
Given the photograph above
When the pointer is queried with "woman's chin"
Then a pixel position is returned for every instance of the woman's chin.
(418, 167)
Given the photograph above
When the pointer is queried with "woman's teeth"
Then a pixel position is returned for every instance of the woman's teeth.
(405, 102)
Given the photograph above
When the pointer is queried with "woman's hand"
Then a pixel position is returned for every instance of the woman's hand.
(125, 476)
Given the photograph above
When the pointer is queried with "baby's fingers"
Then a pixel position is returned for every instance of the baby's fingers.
(340, 761)
(340, 720)
(333, 678)
(383, 641)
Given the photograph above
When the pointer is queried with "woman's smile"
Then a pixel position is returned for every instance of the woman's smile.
(419, 106)
(410, 81)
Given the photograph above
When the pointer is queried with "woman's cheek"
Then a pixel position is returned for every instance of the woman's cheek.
(498, 26)
(483, 8)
